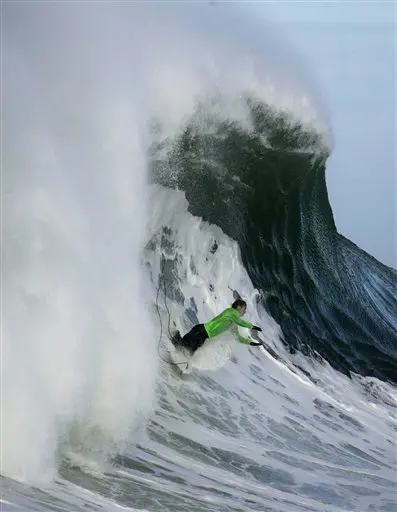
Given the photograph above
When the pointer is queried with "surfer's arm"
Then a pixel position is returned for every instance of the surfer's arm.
(239, 338)
(236, 318)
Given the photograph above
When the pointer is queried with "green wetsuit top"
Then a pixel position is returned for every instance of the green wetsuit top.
(221, 323)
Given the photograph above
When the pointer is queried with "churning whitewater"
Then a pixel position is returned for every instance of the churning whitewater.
(159, 161)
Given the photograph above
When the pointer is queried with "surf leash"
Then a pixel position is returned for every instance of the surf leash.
(161, 278)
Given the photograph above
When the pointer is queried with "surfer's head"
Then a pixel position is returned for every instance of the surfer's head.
(240, 305)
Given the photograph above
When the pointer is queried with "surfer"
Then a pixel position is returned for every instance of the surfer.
(229, 319)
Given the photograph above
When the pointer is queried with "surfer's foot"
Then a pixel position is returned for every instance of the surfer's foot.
(176, 338)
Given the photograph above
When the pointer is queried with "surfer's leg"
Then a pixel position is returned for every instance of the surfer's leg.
(194, 338)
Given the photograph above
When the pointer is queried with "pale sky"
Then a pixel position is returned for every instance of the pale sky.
(349, 51)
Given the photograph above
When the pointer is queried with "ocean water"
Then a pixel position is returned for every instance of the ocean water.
(154, 168)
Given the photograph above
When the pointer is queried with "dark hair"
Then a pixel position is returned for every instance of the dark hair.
(239, 303)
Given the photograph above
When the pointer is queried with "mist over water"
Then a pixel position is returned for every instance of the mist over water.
(76, 334)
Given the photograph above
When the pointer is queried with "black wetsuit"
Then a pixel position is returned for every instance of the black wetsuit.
(193, 339)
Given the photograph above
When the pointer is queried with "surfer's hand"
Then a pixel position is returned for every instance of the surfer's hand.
(255, 343)
(256, 328)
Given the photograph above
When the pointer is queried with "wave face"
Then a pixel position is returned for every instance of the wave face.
(264, 185)
(96, 97)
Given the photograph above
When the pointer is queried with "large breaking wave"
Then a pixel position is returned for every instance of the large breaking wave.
(263, 183)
